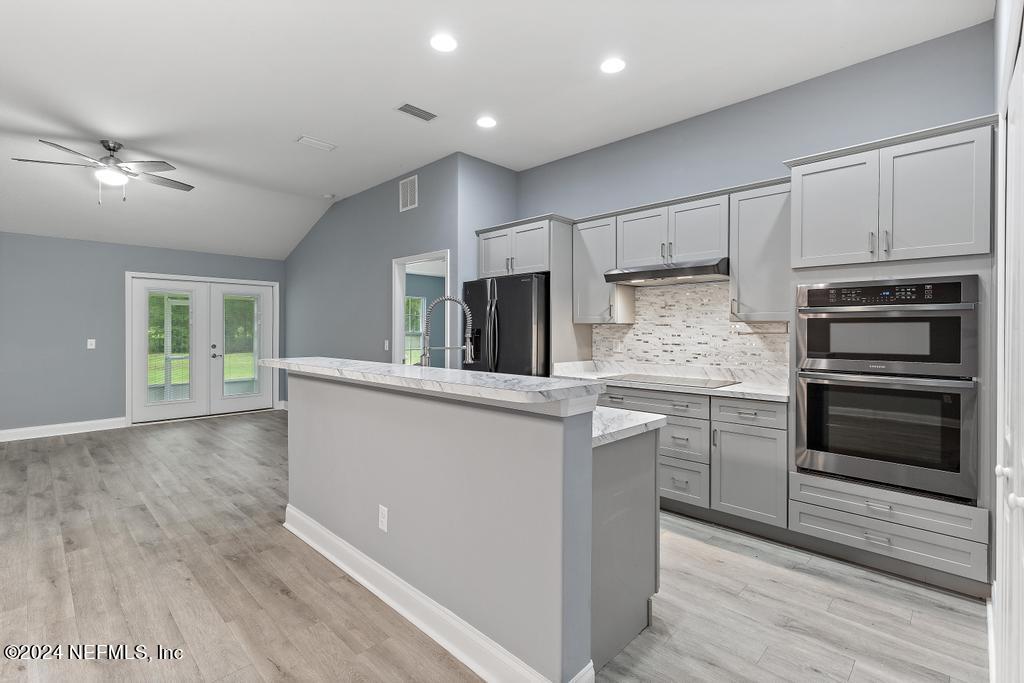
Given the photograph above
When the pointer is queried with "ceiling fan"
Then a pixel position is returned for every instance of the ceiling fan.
(110, 170)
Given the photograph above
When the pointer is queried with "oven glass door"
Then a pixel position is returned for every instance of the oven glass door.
(909, 342)
(911, 432)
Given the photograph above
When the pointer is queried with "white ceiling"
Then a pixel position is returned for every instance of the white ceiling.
(222, 89)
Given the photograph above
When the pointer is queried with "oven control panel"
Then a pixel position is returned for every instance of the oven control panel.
(882, 295)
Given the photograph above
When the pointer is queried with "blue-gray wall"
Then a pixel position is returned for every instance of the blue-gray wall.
(338, 291)
(487, 196)
(54, 294)
(943, 80)
(429, 288)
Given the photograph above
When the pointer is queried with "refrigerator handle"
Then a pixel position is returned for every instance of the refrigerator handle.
(493, 324)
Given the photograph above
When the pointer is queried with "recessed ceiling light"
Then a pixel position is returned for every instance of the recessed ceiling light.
(486, 122)
(443, 42)
(612, 65)
(111, 176)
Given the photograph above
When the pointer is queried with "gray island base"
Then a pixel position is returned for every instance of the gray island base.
(495, 512)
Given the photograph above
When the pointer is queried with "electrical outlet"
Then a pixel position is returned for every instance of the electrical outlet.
(619, 346)
(382, 518)
(90, 344)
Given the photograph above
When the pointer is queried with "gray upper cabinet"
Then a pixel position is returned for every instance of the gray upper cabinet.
(759, 253)
(593, 254)
(495, 253)
(642, 238)
(531, 248)
(698, 230)
(749, 472)
(936, 196)
(835, 211)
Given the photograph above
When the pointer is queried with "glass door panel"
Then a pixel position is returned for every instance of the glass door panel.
(169, 351)
(241, 345)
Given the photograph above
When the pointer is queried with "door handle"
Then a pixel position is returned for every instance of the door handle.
(1003, 471)
(662, 251)
(511, 264)
(682, 484)
(215, 355)
(881, 540)
(888, 242)
(871, 505)
(669, 251)
(507, 268)
(746, 413)
(714, 437)
(680, 438)
(871, 242)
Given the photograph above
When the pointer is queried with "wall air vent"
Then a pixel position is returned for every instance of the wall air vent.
(412, 110)
(408, 193)
(317, 143)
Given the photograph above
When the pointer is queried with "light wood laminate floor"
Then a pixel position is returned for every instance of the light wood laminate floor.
(171, 534)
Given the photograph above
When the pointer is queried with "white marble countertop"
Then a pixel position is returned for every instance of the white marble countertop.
(758, 385)
(614, 424)
(548, 395)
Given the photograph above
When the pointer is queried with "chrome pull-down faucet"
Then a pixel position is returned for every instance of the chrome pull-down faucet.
(427, 348)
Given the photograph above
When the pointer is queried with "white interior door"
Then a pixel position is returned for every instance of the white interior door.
(169, 329)
(241, 332)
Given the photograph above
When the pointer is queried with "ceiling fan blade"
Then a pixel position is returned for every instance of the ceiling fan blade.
(160, 180)
(95, 162)
(146, 166)
(55, 163)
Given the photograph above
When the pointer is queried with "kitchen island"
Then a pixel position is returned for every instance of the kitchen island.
(466, 500)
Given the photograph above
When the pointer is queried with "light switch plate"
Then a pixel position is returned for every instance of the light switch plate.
(90, 344)
(382, 518)
(387, 344)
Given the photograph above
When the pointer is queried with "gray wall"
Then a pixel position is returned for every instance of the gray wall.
(338, 293)
(487, 196)
(54, 294)
(940, 81)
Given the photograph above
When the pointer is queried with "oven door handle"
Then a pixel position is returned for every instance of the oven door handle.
(884, 380)
(888, 307)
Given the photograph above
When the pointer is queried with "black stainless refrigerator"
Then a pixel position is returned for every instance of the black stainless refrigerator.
(510, 324)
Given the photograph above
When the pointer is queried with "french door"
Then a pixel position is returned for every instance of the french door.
(195, 348)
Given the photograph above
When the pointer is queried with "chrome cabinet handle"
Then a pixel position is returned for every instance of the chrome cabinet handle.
(888, 242)
(714, 437)
(682, 484)
(506, 265)
(680, 438)
(670, 251)
(512, 264)
(746, 413)
(871, 242)
(871, 505)
(882, 540)
(685, 406)
(615, 398)
(1003, 471)
(663, 250)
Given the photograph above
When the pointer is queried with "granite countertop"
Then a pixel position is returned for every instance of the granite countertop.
(550, 395)
(751, 384)
(614, 424)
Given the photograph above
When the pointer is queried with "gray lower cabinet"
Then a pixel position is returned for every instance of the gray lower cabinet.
(759, 254)
(684, 481)
(686, 438)
(927, 548)
(749, 472)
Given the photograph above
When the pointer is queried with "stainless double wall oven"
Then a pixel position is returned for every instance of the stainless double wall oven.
(887, 382)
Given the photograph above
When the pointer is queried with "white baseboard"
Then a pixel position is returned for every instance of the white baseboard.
(281, 405)
(992, 665)
(20, 433)
(486, 658)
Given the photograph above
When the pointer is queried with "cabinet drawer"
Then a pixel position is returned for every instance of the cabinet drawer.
(747, 412)
(662, 402)
(930, 514)
(937, 551)
(683, 480)
(686, 438)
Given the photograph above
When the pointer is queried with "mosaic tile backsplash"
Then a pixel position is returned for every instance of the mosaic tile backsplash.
(689, 325)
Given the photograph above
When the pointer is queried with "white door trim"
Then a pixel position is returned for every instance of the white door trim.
(132, 275)
(398, 303)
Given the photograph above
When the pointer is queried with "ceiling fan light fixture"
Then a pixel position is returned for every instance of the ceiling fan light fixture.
(111, 176)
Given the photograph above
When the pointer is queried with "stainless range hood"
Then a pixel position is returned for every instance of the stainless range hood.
(706, 270)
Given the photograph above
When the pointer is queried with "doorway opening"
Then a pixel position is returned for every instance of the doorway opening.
(416, 282)
(193, 346)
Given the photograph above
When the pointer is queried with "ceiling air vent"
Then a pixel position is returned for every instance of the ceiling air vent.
(412, 110)
(316, 143)
(408, 193)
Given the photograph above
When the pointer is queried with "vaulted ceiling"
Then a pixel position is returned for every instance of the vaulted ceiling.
(223, 89)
